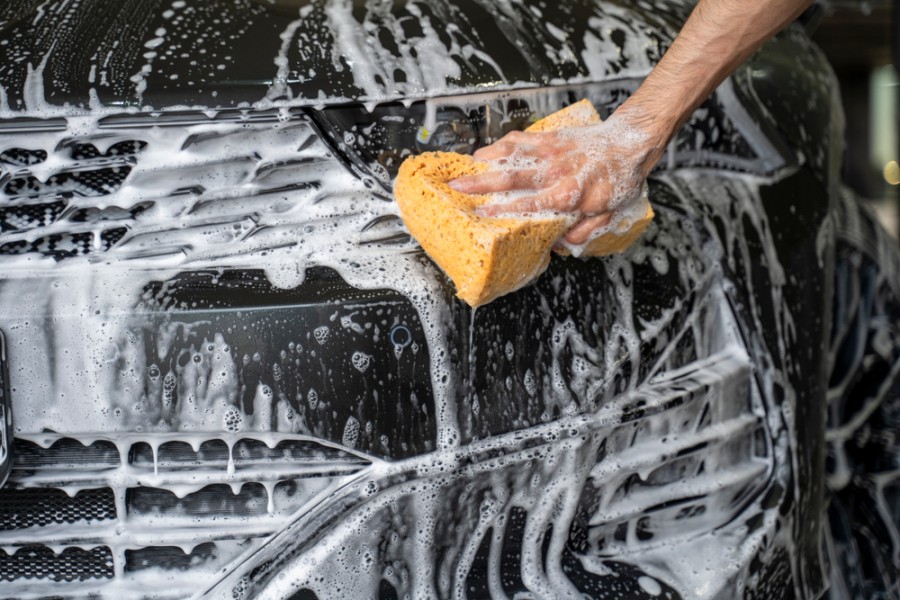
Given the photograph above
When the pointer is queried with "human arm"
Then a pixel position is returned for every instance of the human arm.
(592, 171)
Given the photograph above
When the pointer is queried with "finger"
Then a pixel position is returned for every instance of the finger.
(596, 199)
(583, 230)
(561, 197)
(495, 181)
(515, 141)
(525, 137)
(495, 151)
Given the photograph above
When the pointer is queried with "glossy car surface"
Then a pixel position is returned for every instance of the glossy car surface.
(229, 373)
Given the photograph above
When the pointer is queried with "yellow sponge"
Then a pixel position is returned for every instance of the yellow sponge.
(487, 257)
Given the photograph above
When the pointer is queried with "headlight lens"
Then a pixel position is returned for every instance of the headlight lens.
(379, 140)
(722, 133)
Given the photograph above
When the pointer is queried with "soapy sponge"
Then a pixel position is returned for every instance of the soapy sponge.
(487, 257)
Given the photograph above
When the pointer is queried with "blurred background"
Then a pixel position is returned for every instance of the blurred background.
(860, 39)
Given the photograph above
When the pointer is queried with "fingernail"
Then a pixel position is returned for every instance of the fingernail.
(455, 184)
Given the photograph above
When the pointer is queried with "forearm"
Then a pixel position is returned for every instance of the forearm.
(716, 39)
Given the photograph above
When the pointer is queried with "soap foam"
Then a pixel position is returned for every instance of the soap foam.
(97, 384)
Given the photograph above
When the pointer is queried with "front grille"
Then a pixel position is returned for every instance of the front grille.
(147, 186)
(131, 508)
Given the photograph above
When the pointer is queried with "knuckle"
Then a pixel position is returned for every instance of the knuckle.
(521, 178)
(568, 195)
(555, 172)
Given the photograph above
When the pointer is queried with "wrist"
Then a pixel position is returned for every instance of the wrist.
(645, 130)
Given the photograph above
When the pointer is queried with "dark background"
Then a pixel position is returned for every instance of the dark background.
(860, 38)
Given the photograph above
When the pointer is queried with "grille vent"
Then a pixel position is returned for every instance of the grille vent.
(72, 564)
(136, 185)
(87, 512)
(21, 157)
(85, 183)
(39, 507)
(174, 558)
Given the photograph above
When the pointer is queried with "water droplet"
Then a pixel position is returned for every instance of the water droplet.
(361, 361)
(321, 334)
(530, 383)
(351, 433)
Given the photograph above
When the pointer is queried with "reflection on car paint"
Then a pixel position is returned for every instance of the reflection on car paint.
(569, 460)
(331, 52)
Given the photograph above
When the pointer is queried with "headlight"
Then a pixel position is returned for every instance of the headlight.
(721, 134)
(379, 140)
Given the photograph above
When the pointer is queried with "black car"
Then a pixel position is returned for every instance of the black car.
(228, 372)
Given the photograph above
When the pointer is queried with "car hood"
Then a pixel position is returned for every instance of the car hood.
(71, 57)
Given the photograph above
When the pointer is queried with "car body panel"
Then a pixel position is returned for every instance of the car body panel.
(227, 54)
(231, 369)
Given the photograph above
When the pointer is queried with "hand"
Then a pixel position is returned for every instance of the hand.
(589, 172)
